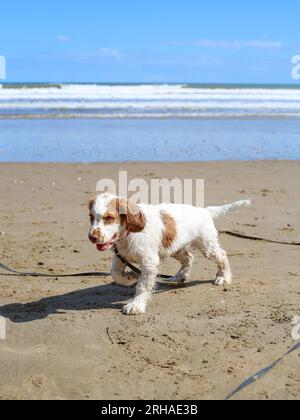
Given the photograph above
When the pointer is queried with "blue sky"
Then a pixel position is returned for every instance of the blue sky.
(225, 41)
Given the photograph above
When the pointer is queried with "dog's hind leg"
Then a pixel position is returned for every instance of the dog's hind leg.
(120, 276)
(212, 249)
(186, 259)
(224, 275)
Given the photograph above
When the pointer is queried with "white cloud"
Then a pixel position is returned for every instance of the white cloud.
(180, 61)
(265, 45)
(2, 67)
(110, 53)
(63, 38)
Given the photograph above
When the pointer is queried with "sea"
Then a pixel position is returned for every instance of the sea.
(148, 122)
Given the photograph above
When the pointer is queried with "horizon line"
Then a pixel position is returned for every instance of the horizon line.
(149, 83)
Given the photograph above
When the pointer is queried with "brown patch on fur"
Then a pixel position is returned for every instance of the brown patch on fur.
(128, 214)
(96, 234)
(169, 233)
(91, 205)
(92, 202)
(110, 218)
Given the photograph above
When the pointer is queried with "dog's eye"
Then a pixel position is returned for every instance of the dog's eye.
(109, 219)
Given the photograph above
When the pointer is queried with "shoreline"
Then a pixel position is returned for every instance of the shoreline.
(153, 162)
(221, 117)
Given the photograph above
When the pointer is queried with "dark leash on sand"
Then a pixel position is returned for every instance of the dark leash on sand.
(35, 274)
(257, 238)
(258, 375)
(248, 381)
(132, 267)
(87, 274)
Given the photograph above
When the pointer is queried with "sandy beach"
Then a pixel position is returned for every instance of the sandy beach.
(67, 338)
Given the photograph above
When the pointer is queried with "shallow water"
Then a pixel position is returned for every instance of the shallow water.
(91, 140)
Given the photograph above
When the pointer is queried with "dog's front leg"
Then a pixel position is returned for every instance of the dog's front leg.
(144, 288)
(118, 273)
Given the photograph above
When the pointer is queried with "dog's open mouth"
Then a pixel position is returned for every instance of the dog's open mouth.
(107, 245)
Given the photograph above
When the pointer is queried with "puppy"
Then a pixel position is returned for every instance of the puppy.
(146, 234)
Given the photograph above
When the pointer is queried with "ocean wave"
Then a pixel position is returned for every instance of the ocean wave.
(155, 101)
(144, 92)
(148, 106)
(161, 116)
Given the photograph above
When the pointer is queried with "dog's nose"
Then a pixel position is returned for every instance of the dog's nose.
(95, 235)
(92, 239)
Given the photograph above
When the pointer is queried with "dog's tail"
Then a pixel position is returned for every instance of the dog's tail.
(217, 212)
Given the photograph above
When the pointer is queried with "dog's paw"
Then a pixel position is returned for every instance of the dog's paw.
(125, 279)
(220, 281)
(178, 278)
(134, 308)
(132, 277)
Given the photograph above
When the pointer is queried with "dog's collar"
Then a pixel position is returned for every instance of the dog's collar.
(125, 236)
(121, 258)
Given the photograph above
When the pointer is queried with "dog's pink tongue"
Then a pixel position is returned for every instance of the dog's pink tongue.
(108, 245)
(103, 247)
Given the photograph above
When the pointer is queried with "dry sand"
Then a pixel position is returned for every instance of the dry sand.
(67, 338)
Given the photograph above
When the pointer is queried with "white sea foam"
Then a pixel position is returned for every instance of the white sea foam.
(149, 100)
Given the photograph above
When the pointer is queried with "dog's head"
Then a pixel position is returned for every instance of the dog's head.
(113, 218)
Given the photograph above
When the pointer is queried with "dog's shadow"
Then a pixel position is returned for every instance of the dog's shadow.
(99, 297)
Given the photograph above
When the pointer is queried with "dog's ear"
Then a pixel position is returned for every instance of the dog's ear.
(132, 216)
(135, 220)
(91, 203)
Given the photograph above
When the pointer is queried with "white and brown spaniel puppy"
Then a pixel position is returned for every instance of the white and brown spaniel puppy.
(146, 234)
